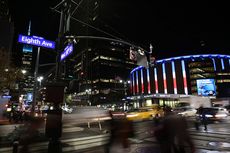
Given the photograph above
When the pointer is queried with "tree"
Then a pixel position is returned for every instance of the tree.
(9, 74)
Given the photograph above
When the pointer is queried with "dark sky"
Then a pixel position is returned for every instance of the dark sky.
(174, 28)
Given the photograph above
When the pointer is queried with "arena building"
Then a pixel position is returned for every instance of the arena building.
(206, 75)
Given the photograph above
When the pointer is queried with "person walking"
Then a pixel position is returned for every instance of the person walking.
(202, 118)
(172, 134)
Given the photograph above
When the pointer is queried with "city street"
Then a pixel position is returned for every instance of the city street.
(77, 137)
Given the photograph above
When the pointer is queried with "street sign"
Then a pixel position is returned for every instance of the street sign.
(68, 50)
(36, 41)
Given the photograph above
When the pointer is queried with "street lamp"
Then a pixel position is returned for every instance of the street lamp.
(40, 80)
(23, 71)
(88, 91)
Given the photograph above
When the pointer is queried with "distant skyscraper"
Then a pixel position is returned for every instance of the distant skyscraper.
(27, 50)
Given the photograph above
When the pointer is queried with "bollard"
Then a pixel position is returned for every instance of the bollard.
(88, 124)
(99, 123)
(15, 146)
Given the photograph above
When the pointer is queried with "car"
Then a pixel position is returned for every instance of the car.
(185, 111)
(144, 113)
(228, 108)
(118, 114)
(213, 113)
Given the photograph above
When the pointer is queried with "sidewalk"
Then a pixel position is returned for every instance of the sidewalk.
(4, 122)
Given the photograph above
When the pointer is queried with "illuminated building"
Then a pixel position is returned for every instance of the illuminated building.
(27, 83)
(200, 75)
(99, 69)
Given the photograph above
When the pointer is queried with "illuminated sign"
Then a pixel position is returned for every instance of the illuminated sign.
(68, 50)
(206, 87)
(36, 41)
(27, 48)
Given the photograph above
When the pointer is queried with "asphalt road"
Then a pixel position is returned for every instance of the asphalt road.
(78, 137)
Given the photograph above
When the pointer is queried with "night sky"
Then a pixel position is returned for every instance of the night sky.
(173, 28)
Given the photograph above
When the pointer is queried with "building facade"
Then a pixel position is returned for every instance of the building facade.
(101, 72)
(27, 83)
(172, 78)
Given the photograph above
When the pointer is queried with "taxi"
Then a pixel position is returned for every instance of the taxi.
(144, 113)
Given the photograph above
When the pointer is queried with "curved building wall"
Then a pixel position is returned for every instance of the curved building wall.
(178, 75)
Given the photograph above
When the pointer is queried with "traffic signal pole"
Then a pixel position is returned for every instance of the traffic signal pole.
(35, 81)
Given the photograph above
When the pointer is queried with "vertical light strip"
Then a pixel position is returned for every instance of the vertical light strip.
(148, 81)
(156, 82)
(184, 77)
(174, 77)
(133, 81)
(214, 63)
(222, 63)
(164, 79)
(142, 82)
(137, 84)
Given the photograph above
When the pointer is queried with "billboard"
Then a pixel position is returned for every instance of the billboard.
(206, 87)
(27, 48)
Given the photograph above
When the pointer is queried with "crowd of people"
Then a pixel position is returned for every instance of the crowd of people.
(170, 131)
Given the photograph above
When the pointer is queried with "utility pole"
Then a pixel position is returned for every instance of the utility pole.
(35, 81)
(64, 27)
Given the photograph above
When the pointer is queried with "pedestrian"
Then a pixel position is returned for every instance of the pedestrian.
(182, 136)
(172, 134)
(112, 129)
(202, 117)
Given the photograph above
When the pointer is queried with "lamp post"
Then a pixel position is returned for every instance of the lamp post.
(88, 91)
(125, 83)
(39, 79)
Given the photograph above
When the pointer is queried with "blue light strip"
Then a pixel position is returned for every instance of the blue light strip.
(137, 68)
(193, 56)
(222, 63)
(214, 63)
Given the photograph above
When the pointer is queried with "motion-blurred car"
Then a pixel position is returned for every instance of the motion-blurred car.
(213, 113)
(144, 113)
(185, 111)
(228, 108)
(118, 114)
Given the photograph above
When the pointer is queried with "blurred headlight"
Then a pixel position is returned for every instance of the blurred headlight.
(8, 109)
(132, 115)
(207, 115)
(221, 115)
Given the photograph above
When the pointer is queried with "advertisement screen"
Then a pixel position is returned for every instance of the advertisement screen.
(206, 87)
(27, 48)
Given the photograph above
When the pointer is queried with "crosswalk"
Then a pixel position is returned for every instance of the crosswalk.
(206, 141)
(70, 143)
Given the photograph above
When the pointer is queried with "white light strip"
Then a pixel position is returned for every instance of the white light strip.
(222, 63)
